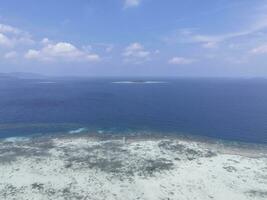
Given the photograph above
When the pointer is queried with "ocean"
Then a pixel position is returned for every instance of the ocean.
(217, 108)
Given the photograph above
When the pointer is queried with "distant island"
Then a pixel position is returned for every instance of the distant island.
(139, 82)
(23, 75)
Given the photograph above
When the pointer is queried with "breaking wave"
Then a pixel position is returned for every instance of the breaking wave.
(79, 130)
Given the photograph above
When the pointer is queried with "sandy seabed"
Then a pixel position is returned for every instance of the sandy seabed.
(83, 167)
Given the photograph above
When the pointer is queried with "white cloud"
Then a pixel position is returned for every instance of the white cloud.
(92, 57)
(5, 41)
(109, 48)
(61, 51)
(210, 45)
(32, 54)
(11, 36)
(131, 3)
(16, 39)
(9, 29)
(260, 50)
(10, 55)
(44, 50)
(87, 48)
(206, 41)
(135, 52)
(45, 41)
(181, 61)
(256, 24)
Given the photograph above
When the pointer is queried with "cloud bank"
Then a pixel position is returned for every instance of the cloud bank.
(61, 51)
(136, 53)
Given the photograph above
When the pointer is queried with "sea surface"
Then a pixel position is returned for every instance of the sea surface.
(228, 109)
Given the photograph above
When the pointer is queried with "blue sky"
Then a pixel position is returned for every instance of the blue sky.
(134, 37)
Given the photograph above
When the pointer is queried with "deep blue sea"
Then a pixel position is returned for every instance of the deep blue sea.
(230, 109)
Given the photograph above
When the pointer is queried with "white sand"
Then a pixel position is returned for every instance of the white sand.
(87, 168)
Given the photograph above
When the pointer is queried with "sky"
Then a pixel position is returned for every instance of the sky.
(208, 38)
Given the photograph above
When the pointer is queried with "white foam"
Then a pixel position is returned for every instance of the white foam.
(16, 139)
(79, 130)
